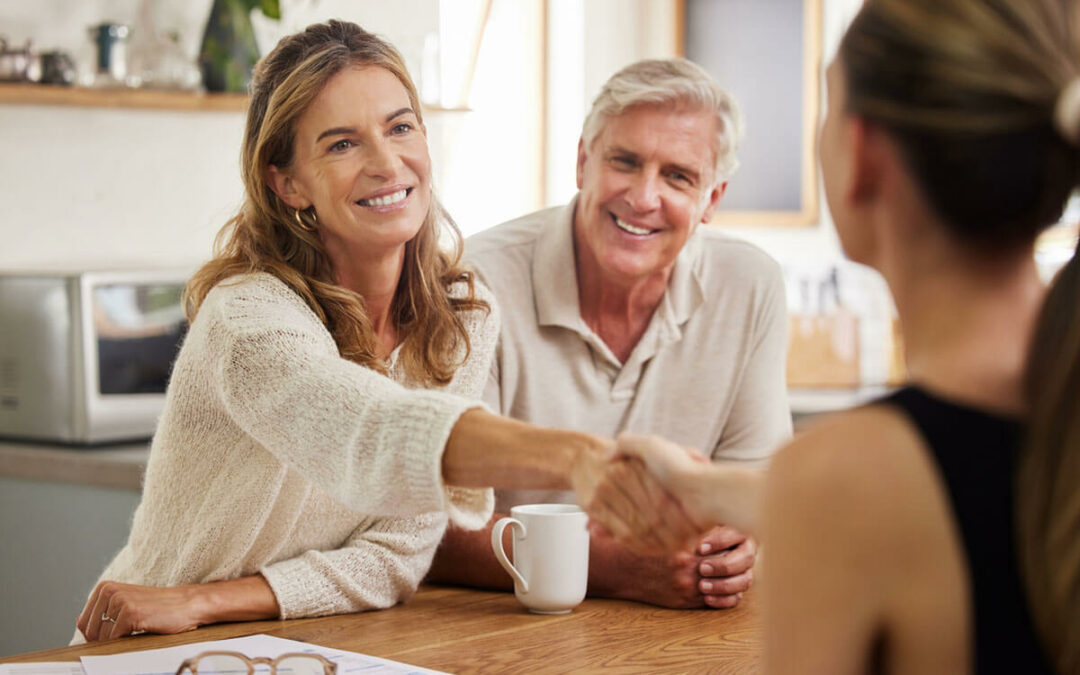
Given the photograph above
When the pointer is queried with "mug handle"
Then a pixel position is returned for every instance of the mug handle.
(500, 554)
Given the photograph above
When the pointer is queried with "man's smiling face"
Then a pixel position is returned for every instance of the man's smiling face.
(646, 182)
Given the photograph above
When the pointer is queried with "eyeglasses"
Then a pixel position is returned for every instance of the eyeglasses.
(235, 663)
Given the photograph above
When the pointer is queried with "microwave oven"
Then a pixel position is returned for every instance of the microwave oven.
(85, 356)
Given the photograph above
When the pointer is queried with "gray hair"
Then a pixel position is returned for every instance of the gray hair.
(670, 81)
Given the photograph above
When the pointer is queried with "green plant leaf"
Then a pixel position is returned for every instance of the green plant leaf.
(271, 8)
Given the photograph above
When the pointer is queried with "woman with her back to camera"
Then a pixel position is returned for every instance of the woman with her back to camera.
(937, 530)
(322, 407)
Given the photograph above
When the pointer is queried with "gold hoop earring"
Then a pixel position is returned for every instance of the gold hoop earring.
(300, 221)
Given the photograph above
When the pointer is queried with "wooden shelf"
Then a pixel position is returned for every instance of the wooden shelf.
(44, 94)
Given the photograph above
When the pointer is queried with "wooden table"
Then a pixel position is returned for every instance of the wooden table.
(466, 631)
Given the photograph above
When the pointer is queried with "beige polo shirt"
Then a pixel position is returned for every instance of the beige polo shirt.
(709, 371)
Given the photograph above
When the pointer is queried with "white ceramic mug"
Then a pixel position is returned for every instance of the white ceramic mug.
(551, 555)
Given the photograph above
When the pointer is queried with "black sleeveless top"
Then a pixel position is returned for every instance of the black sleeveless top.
(976, 453)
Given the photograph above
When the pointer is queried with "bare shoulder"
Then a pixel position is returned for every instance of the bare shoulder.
(869, 470)
(858, 439)
(860, 548)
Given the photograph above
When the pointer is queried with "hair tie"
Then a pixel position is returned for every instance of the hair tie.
(1067, 111)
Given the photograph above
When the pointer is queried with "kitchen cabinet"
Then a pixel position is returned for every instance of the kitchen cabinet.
(64, 513)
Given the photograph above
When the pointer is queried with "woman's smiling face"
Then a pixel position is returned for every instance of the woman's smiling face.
(361, 160)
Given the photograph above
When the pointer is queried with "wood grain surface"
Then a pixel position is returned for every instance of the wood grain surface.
(467, 631)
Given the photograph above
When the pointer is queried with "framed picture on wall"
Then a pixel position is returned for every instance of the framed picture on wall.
(767, 54)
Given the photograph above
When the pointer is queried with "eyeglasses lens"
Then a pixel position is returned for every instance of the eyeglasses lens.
(299, 665)
(223, 664)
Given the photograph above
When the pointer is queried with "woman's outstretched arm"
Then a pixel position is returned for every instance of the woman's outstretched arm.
(485, 450)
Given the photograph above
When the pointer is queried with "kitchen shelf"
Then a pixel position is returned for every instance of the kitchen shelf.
(43, 94)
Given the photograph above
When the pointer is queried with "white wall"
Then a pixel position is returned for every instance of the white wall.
(99, 187)
(492, 159)
(105, 185)
(102, 187)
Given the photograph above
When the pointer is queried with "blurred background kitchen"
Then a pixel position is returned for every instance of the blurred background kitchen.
(120, 129)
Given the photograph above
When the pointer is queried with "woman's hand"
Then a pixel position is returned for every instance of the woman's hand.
(671, 463)
(635, 500)
(175, 609)
(709, 493)
(115, 610)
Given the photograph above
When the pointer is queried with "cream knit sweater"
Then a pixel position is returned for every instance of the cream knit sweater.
(276, 455)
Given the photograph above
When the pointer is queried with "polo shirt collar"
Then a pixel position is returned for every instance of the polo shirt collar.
(555, 274)
(556, 288)
(686, 287)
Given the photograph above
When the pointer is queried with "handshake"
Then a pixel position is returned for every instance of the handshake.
(653, 496)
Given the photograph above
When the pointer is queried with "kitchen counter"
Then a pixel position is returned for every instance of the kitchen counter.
(806, 402)
(118, 466)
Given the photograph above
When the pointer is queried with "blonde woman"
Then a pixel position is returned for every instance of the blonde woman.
(303, 463)
(938, 530)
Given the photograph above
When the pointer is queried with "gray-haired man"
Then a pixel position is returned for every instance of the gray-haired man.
(621, 314)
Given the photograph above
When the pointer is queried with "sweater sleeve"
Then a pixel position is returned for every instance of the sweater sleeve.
(379, 566)
(370, 443)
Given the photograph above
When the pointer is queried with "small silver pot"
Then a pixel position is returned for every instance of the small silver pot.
(14, 63)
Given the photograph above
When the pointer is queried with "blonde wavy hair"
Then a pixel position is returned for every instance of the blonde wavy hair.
(265, 236)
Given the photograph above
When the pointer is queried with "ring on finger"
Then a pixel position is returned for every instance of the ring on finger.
(106, 617)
